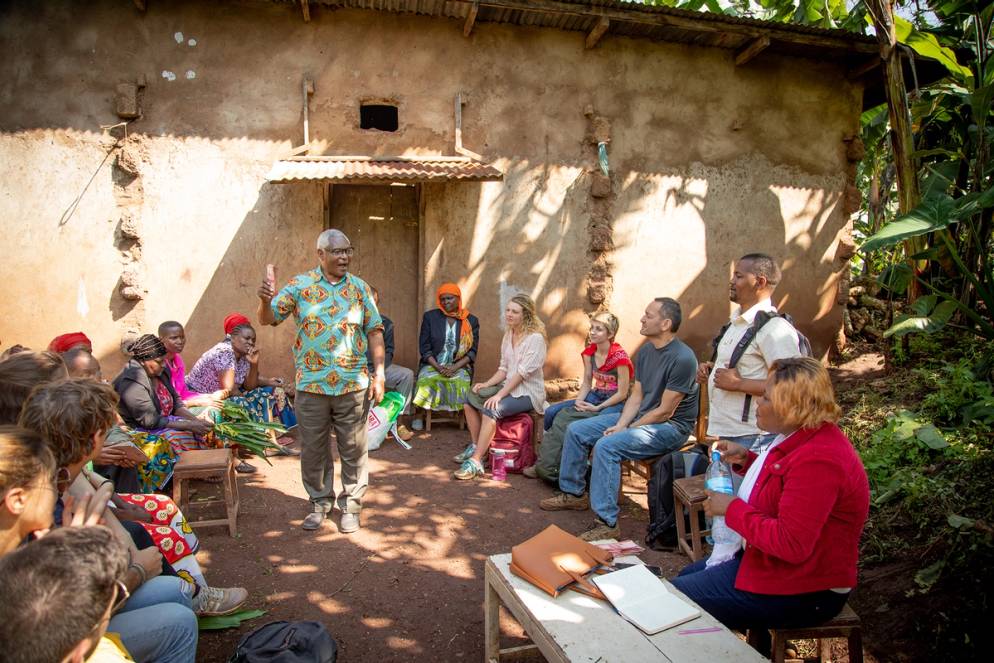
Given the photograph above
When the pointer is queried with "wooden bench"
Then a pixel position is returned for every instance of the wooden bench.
(845, 625)
(443, 417)
(689, 494)
(205, 464)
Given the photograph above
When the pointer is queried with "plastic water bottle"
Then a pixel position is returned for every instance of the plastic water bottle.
(718, 478)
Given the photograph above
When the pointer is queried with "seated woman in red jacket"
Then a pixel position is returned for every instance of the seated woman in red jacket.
(800, 510)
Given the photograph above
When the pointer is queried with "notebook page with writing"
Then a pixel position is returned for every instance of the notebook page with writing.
(642, 599)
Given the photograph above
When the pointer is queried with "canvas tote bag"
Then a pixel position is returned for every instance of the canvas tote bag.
(555, 561)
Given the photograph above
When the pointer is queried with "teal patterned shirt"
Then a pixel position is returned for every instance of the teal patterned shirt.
(333, 323)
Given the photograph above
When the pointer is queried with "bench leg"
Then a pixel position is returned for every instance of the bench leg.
(491, 626)
(695, 533)
(231, 499)
(779, 648)
(427, 421)
(855, 646)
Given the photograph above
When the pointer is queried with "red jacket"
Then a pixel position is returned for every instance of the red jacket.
(804, 518)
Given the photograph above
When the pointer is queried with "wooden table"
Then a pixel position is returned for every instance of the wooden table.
(579, 628)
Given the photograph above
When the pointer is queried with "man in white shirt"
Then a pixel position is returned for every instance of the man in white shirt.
(732, 392)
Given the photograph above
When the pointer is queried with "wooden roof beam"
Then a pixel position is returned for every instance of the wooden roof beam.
(305, 6)
(467, 28)
(751, 50)
(598, 31)
(859, 71)
(633, 15)
(140, 5)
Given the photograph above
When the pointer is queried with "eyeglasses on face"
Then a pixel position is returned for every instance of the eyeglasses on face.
(339, 253)
(61, 479)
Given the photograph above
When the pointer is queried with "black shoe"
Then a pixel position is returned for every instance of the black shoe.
(245, 468)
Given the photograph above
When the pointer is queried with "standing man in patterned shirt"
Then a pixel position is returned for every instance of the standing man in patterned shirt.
(336, 320)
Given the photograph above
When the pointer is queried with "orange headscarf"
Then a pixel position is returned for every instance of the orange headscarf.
(465, 331)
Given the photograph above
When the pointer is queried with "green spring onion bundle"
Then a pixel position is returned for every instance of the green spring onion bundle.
(237, 429)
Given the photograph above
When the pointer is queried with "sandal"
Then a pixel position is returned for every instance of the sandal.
(470, 469)
(245, 468)
(464, 455)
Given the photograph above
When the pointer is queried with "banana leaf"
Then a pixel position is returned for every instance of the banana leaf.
(233, 620)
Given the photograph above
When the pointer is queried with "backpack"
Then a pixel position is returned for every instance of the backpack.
(514, 437)
(762, 317)
(287, 642)
(661, 533)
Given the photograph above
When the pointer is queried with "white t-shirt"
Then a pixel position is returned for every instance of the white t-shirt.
(727, 414)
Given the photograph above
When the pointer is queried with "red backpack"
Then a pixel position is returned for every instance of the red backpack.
(514, 438)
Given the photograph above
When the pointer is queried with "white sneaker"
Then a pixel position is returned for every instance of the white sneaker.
(349, 523)
(216, 601)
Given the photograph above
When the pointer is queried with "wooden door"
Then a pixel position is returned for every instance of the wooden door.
(382, 223)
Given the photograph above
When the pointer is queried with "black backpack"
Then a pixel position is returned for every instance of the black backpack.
(661, 533)
(287, 642)
(762, 317)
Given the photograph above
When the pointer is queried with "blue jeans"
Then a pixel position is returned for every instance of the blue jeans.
(156, 624)
(714, 590)
(631, 444)
(593, 397)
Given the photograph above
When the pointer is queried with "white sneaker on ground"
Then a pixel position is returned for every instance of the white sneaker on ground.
(216, 601)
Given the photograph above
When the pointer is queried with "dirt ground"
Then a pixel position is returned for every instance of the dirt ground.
(409, 584)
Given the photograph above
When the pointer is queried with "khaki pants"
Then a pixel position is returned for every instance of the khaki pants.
(317, 415)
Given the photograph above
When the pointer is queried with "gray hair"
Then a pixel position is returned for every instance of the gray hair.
(325, 238)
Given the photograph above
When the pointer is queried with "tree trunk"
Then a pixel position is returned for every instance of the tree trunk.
(902, 141)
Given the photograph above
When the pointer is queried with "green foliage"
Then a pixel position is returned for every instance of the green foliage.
(929, 468)
(954, 142)
(233, 620)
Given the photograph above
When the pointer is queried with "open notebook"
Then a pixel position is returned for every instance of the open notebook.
(642, 599)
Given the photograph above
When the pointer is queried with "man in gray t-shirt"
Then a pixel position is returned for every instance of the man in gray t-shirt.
(658, 417)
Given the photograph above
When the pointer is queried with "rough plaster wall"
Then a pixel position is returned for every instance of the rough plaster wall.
(59, 278)
(708, 160)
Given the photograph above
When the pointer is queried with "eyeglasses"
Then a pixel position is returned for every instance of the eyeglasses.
(340, 253)
(61, 479)
(122, 597)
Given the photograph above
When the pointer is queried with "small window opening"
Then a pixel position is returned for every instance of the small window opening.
(378, 116)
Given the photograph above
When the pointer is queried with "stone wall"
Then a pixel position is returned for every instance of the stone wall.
(706, 161)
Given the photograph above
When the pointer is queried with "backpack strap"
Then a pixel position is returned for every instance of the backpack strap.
(762, 317)
(717, 340)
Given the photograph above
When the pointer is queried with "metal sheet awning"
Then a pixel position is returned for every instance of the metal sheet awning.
(382, 170)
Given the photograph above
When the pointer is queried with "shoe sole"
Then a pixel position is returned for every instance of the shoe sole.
(222, 614)
(564, 507)
(311, 528)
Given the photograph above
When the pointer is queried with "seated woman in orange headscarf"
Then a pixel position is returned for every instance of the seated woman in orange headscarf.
(450, 336)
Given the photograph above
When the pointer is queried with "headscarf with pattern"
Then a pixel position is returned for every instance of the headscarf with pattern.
(465, 331)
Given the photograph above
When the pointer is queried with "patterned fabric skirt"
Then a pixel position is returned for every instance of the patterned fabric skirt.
(172, 535)
(436, 392)
(163, 447)
(267, 405)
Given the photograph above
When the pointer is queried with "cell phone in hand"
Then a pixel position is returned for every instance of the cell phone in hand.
(654, 570)
(271, 275)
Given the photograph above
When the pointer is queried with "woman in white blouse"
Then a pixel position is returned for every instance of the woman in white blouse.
(517, 386)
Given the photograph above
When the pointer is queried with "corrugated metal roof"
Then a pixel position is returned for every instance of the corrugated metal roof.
(371, 169)
(637, 20)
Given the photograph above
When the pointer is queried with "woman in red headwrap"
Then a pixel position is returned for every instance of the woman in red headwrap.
(450, 337)
(233, 365)
(66, 342)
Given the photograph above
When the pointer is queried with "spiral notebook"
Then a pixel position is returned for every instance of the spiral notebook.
(643, 599)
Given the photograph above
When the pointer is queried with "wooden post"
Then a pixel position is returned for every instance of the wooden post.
(306, 8)
(902, 141)
(467, 27)
(598, 31)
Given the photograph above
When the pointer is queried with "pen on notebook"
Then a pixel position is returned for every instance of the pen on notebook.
(695, 631)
